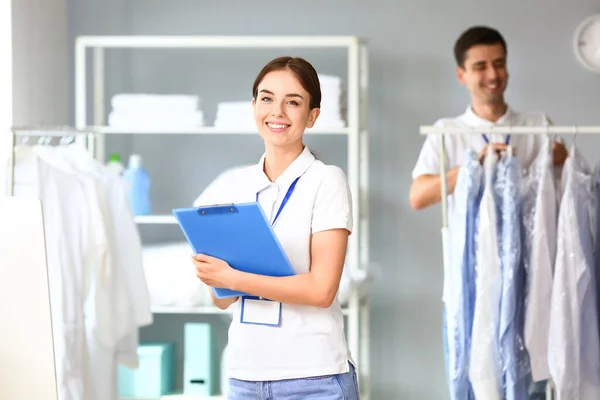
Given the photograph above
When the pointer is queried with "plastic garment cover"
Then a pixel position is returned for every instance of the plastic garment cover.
(539, 216)
(484, 369)
(513, 357)
(573, 348)
(597, 242)
(461, 303)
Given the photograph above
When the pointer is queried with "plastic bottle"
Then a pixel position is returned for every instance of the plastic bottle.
(137, 183)
(114, 164)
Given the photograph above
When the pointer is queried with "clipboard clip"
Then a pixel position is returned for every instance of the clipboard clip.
(218, 209)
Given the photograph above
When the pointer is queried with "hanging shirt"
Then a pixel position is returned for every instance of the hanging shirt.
(540, 218)
(484, 368)
(67, 224)
(597, 242)
(573, 348)
(428, 162)
(512, 354)
(461, 304)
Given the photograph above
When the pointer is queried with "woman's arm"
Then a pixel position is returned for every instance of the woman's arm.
(317, 288)
(222, 304)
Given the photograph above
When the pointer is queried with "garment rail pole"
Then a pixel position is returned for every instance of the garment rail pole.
(511, 130)
(41, 131)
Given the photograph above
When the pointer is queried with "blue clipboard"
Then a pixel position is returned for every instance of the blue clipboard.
(239, 234)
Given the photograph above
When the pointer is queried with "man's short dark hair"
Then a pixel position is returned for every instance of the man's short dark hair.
(474, 36)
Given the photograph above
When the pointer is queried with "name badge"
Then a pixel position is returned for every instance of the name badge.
(260, 311)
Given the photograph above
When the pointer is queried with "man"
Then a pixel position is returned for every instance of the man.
(480, 54)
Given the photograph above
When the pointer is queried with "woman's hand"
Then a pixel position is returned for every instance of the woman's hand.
(214, 272)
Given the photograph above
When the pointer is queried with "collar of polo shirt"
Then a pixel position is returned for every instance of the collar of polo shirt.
(296, 169)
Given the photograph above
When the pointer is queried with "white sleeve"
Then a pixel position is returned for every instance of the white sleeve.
(128, 254)
(428, 162)
(333, 203)
(218, 191)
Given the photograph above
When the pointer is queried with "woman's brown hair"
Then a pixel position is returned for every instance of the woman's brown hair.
(303, 70)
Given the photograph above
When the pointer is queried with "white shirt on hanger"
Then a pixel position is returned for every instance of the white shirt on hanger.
(573, 347)
(484, 368)
(541, 227)
(310, 341)
(68, 241)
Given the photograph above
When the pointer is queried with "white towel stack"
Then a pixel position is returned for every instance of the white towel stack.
(235, 115)
(332, 103)
(155, 111)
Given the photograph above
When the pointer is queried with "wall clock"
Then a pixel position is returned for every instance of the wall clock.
(587, 43)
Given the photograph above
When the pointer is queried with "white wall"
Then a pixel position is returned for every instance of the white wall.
(41, 79)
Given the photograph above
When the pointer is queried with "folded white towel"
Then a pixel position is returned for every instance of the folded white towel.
(155, 120)
(143, 102)
(329, 80)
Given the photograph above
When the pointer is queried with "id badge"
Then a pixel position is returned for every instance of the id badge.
(260, 311)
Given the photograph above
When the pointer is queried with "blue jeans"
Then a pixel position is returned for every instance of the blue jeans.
(329, 387)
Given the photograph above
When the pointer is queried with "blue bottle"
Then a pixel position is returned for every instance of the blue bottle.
(137, 183)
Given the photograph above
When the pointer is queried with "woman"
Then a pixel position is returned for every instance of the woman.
(291, 346)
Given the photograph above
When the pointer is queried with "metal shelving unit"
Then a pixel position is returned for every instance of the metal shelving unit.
(356, 132)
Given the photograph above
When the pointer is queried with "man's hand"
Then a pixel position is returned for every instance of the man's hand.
(498, 148)
(559, 154)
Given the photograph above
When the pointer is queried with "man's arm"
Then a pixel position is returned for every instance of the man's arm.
(426, 190)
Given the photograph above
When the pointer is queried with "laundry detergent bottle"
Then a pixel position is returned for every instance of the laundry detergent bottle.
(137, 183)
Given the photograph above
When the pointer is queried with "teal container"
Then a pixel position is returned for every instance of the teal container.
(155, 375)
(200, 370)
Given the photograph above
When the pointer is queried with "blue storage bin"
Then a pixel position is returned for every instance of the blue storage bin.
(155, 375)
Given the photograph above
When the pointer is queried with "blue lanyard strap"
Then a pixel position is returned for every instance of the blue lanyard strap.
(487, 141)
(285, 199)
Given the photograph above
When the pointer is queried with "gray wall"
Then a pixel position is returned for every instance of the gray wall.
(412, 83)
(40, 64)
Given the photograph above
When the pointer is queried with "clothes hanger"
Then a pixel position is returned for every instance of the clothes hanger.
(66, 140)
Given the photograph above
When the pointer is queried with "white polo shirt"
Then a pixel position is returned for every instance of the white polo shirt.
(310, 340)
(527, 147)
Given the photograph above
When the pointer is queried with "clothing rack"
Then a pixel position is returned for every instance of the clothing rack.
(479, 130)
(82, 136)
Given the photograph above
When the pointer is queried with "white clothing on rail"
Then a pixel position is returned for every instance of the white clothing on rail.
(540, 214)
(484, 368)
(96, 265)
(573, 347)
(428, 163)
(59, 194)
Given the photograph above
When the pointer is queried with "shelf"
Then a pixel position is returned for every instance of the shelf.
(155, 219)
(182, 41)
(211, 310)
(206, 130)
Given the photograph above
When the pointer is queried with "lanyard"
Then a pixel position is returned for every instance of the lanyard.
(285, 199)
(506, 141)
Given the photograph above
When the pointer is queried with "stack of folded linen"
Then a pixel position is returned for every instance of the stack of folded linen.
(171, 276)
(332, 103)
(155, 111)
(235, 115)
